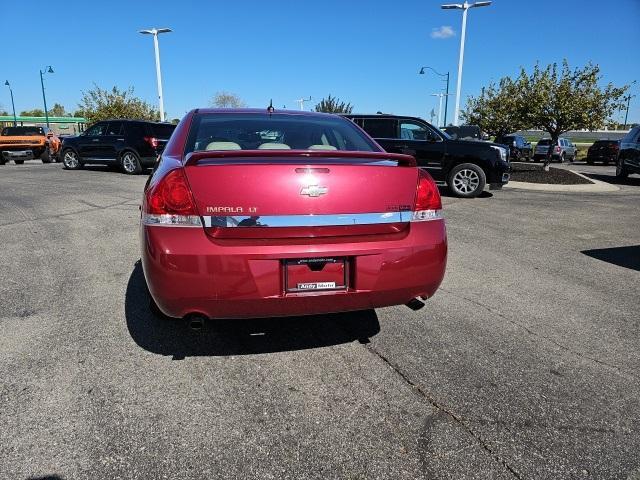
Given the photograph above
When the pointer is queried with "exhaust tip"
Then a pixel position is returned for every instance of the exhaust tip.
(196, 322)
(415, 304)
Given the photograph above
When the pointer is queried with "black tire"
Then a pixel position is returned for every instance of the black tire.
(70, 159)
(466, 180)
(590, 162)
(2, 160)
(621, 171)
(130, 163)
(45, 158)
(562, 158)
(18, 162)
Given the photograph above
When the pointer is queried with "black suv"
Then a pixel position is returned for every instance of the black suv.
(465, 166)
(629, 154)
(130, 145)
(519, 148)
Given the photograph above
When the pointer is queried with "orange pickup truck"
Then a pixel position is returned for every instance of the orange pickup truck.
(26, 143)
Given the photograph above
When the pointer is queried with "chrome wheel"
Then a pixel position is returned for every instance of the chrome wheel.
(70, 160)
(129, 163)
(466, 181)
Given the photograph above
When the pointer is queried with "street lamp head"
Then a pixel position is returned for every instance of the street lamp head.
(50, 70)
(7, 83)
(451, 6)
(421, 72)
(155, 31)
(479, 4)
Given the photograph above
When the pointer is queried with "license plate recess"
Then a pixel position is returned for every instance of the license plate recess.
(315, 274)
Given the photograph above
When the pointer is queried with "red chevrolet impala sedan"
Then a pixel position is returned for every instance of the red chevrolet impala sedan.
(255, 213)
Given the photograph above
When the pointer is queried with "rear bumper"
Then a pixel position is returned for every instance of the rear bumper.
(189, 272)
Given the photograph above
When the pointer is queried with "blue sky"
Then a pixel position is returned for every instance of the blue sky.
(365, 52)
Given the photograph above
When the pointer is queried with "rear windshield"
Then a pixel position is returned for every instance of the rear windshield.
(252, 131)
(161, 131)
(545, 141)
(22, 131)
(600, 143)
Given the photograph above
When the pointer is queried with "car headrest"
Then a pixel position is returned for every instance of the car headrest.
(274, 146)
(223, 146)
(322, 147)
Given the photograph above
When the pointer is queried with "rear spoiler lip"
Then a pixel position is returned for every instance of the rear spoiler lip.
(403, 160)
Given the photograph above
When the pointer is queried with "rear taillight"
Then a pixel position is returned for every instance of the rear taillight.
(557, 149)
(169, 202)
(427, 205)
(152, 141)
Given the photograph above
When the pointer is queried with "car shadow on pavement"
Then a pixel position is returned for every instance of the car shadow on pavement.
(633, 181)
(445, 192)
(627, 257)
(174, 337)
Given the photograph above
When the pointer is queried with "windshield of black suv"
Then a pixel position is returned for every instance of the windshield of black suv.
(22, 131)
(261, 131)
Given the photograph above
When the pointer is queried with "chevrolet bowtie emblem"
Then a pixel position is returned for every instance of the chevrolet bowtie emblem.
(314, 190)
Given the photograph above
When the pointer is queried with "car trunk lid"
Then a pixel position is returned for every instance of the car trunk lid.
(302, 194)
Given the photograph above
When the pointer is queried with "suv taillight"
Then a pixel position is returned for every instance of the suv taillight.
(152, 141)
(557, 149)
(170, 202)
(428, 204)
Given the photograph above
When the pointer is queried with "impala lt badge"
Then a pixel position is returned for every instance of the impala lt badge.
(314, 190)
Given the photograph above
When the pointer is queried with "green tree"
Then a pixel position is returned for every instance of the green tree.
(36, 112)
(99, 104)
(559, 99)
(57, 111)
(333, 105)
(227, 100)
(498, 108)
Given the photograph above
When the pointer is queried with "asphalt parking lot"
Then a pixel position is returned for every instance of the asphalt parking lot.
(524, 365)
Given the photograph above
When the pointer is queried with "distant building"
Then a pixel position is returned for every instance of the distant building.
(60, 125)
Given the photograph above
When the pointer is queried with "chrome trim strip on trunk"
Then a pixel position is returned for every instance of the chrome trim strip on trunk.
(320, 220)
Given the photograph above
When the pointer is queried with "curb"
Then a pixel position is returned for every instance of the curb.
(596, 187)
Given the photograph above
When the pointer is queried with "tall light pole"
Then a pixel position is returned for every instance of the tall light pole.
(302, 100)
(626, 115)
(155, 32)
(439, 95)
(15, 119)
(464, 7)
(446, 99)
(47, 69)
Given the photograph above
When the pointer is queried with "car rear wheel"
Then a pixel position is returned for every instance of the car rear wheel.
(18, 162)
(70, 160)
(562, 158)
(621, 171)
(130, 163)
(467, 180)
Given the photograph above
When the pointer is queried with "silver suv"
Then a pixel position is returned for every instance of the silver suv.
(563, 150)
